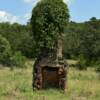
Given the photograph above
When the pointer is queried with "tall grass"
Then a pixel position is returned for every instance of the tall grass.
(17, 85)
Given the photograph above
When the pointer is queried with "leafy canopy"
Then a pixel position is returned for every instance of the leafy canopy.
(5, 50)
(49, 18)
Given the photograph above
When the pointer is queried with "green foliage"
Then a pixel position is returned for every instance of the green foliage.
(98, 68)
(5, 51)
(49, 18)
(83, 38)
(82, 62)
(18, 60)
(80, 38)
(7, 57)
(19, 36)
(72, 40)
(97, 64)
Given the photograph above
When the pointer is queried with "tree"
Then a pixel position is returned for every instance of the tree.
(5, 51)
(48, 21)
(72, 40)
(82, 40)
(93, 19)
(49, 18)
(21, 36)
(8, 57)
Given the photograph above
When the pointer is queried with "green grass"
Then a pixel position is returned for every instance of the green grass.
(17, 85)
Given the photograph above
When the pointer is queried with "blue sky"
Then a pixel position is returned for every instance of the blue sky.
(20, 10)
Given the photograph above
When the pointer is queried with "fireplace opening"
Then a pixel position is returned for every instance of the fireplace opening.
(50, 77)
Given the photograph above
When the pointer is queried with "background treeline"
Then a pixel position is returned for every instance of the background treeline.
(16, 44)
(19, 36)
(81, 41)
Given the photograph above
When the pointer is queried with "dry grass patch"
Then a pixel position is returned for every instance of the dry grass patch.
(17, 85)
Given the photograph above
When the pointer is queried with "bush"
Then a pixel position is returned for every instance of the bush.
(7, 57)
(5, 51)
(98, 65)
(48, 21)
(18, 60)
(98, 68)
(82, 62)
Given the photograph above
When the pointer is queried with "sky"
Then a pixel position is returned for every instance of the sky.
(20, 10)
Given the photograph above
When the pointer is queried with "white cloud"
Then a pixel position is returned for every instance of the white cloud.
(68, 1)
(27, 16)
(31, 2)
(35, 1)
(7, 17)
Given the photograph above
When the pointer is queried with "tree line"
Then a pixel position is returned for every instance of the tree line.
(81, 40)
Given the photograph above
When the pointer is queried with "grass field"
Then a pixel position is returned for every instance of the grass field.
(16, 85)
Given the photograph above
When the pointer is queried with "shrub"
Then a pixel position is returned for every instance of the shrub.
(8, 57)
(48, 21)
(98, 68)
(18, 60)
(5, 51)
(98, 65)
(82, 62)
